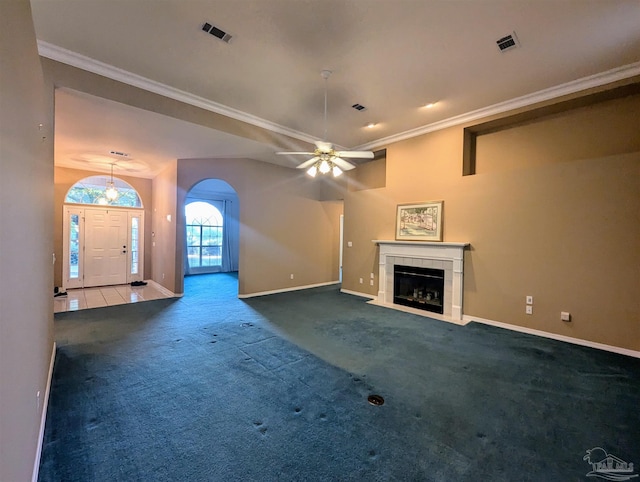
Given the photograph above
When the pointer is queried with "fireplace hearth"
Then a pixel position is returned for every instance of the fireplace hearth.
(417, 287)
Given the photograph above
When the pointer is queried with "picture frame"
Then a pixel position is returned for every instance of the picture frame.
(420, 222)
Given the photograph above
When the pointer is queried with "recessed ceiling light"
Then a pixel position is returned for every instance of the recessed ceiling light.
(429, 105)
(371, 125)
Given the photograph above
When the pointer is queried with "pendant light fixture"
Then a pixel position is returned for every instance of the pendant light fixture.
(111, 193)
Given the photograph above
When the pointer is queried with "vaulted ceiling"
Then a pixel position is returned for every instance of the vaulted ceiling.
(391, 56)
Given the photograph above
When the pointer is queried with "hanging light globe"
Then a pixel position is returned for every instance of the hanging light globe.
(111, 193)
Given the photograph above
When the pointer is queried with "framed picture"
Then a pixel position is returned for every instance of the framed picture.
(419, 222)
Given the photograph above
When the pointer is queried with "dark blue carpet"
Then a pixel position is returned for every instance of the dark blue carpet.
(212, 388)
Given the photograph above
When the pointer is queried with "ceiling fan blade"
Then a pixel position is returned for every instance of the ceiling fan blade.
(342, 164)
(324, 146)
(308, 163)
(355, 154)
(296, 153)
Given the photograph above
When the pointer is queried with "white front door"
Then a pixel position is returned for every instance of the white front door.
(102, 246)
(105, 237)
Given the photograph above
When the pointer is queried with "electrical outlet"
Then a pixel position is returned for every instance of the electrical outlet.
(529, 310)
(360, 280)
(565, 316)
(371, 282)
(529, 300)
(291, 275)
(349, 244)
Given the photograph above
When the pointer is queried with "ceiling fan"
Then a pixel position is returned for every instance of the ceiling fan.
(325, 158)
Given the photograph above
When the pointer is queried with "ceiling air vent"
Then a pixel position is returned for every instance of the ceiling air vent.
(216, 32)
(358, 107)
(509, 42)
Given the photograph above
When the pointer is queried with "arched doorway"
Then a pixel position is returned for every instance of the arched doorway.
(212, 228)
(103, 236)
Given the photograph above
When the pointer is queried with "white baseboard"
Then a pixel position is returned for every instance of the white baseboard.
(43, 417)
(357, 293)
(554, 336)
(285, 290)
(162, 289)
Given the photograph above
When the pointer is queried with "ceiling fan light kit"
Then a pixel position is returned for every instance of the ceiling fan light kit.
(325, 158)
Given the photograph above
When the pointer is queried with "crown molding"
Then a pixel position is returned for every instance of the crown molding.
(597, 80)
(74, 59)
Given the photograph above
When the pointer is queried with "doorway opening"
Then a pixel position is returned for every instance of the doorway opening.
(204, 236)
(212, 228)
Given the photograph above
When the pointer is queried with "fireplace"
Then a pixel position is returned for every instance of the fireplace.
(421, 288)
(444, 257)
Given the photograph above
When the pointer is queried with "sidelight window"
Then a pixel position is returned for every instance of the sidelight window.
(74, 246)
(135, 245)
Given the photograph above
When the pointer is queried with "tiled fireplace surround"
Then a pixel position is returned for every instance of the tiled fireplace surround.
(446, 256)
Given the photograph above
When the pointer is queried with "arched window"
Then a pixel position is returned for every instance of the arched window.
(204, 235)
(92, 190)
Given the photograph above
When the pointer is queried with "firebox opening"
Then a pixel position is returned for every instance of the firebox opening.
(421, 288)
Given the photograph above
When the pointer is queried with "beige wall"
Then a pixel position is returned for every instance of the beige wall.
(163, 237)
(284, 229)
(64, 178)
(26, 247)
(563, 228)
(598, 130)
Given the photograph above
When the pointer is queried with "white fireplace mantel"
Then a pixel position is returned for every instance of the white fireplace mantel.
(446, 256)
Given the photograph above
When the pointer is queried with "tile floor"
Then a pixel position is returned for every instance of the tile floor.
(84, 298)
